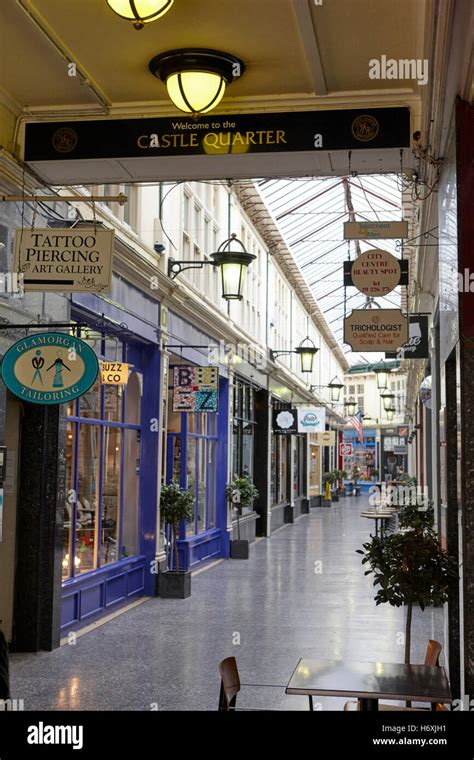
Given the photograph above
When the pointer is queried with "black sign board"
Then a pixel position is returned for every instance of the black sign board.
(284, 421)
(404, 269)
(219, 135)
(418, 344)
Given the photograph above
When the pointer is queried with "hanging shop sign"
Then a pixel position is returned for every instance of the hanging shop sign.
(375, 230)
(219, 135)
(284, 421)
(311, 420)
(376, 329)
(403, 431)
(345, 449)
(326, 438)
(195, 389)
(114, 373)
(65, 260)
(376, 272)
(49, 368)
(417, 346)
(399, 449)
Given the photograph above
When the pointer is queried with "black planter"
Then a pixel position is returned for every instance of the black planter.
(335, 496)
(342, 494)
(173, 585)
(239, 549)
(326, 503)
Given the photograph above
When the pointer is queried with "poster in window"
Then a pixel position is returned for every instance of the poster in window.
(195, 389)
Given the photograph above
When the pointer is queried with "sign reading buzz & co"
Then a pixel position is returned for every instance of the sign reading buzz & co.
(376, 329)
(65, 260)
(49, 368)
(114, 373)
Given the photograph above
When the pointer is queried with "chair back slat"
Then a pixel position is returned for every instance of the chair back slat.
(230, 683)
(433, 651)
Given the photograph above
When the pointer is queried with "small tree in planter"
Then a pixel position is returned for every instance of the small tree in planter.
(329, 479)
(176, 504)
(241, 492)
(410, 568)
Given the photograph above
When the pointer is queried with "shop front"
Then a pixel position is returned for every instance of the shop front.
(245, 461)
(362, 465)
(197, 441)
(288, 466)
(111, 461)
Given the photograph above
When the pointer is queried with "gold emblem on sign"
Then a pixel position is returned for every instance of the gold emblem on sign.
(64, 140)
(365, 128)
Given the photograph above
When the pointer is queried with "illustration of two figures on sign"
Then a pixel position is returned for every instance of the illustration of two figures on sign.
(58, 366)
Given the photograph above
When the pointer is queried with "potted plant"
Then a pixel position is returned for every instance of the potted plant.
(410, 568)
(241, 492)
(176, 504)
(328, 480)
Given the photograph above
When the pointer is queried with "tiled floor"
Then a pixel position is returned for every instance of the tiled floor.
(269, 611)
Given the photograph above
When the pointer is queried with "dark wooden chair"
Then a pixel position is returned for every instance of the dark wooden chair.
(231, 684)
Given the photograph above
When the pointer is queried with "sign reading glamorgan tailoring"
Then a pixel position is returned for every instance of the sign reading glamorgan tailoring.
(195, 389)
(65, 260)
(49, 368)
(219, 135)
(375, 329)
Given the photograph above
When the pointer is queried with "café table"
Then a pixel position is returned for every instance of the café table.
(369, 682)
(380, 515)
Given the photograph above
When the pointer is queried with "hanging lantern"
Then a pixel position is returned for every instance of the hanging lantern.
(196, 79)
(388, 399)
(390, 412)
(382, 377)
(233, 264)
(141, 12)
(351, 407)
(307, 353)
(335, 387)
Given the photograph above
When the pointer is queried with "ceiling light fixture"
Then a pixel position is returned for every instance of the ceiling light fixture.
(196, 78)
(306, 351)
(141, 12)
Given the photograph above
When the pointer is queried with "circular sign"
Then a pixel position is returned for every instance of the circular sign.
(376, 272)
(365, 128)
(49, 368)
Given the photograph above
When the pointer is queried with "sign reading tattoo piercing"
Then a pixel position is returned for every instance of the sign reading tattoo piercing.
(49, 368)
(195, 389)
(73, 260)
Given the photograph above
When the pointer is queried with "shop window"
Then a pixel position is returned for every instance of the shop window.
(314, 470)
(101, 521)
(191, 461)
(243, 438)
(298, 445)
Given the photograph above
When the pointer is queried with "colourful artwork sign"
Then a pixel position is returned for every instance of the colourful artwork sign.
(49, 368)
(195, 389)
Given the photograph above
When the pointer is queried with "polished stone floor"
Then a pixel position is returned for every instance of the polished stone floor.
(301, 594)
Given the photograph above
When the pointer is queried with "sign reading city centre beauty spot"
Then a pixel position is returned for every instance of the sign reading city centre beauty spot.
(67, 260)
(49, 368)
(376, 329)
(375, 272)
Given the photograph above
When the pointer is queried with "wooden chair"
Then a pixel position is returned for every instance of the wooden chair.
(230, 686)
(433, 651)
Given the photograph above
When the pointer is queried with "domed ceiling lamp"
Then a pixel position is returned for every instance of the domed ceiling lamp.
(196, 79)
(141, 12)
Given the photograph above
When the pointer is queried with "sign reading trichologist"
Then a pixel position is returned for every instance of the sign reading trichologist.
(376, 329)
(65, 260)
(49, 368)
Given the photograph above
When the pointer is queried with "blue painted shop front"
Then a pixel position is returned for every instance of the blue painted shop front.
(197, 450)
(109, 537)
